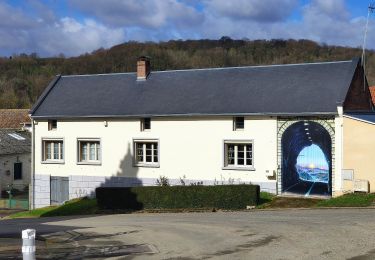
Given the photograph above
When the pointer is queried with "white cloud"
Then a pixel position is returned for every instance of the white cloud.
(20, 32)
(255, 10)
(146, 13)
(108, 22)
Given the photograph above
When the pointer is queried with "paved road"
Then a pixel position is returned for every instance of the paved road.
(285, 234)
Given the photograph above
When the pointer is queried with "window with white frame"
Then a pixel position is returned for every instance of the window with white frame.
(53, 150)
(89, 151)
(146, 152)
(238, 154)
(238, 123)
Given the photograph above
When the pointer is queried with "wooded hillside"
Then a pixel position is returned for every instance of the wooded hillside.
(23, 77)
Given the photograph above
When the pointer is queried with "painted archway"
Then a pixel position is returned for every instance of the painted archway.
(306, 159)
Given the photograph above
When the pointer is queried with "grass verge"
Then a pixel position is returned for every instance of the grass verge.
(269, 201)
(87, 206)
(83, 206)
(349, 200)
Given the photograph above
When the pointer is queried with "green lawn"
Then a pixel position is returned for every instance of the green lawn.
(82, 206)
(87, 206)
(349, 200)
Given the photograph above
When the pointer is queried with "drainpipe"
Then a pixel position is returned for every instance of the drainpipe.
(32, 201)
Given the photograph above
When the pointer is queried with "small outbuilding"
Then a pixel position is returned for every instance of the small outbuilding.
(15, 162)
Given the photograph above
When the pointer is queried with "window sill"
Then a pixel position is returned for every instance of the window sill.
(53, 162)
(89, 163)
(238, 168)
(147, 165)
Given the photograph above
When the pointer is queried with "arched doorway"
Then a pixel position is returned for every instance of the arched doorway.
(306, 166)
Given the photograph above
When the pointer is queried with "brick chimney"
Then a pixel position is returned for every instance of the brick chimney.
(143, 67)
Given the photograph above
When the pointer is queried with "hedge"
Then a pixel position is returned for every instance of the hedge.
(173, 197)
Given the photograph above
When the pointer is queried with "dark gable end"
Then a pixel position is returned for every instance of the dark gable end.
(292, 89)
(358, 96)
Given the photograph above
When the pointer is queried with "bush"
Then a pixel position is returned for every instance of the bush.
(173, 197)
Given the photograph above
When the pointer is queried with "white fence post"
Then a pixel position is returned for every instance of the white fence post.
(28, 244)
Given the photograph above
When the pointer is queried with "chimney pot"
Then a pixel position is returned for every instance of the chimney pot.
(143, 67)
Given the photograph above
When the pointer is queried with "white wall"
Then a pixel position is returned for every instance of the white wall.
(338, 155)
(188, 146)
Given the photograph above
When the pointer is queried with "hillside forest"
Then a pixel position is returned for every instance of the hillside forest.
(23, 77)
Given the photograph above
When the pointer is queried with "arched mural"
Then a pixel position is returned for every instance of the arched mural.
(306, 163)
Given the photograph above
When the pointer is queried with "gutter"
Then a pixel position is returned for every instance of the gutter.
(303, 114)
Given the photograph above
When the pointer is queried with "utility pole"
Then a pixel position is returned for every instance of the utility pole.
(370, 10)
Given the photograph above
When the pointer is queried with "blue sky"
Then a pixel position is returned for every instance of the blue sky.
(313, 157)
(73, 27)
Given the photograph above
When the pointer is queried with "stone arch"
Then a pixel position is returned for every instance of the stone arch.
(284, 124)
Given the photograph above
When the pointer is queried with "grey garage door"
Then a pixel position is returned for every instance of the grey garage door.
(59, 189)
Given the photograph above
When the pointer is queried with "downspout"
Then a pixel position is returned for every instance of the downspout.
(340, 110)
(32, 204)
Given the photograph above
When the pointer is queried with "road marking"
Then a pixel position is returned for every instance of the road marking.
(292, 186)
(308, 193)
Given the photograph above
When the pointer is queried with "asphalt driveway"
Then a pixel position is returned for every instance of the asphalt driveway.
(285, 234)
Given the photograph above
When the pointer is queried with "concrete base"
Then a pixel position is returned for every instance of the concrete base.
(84, 186)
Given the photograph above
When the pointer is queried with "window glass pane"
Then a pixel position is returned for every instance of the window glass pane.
(61, 150)
(83, 151)
(148, 152)
(156, 152)
(230, 155)
(239, 123)
(56, 150)
(249, 151)
(240, 154)
(48, 150)
(249, 161)
(139, 152)
(92, 151)
(147, 123)
(98, 151)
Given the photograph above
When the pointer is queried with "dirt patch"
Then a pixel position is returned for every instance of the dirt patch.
(288, 202)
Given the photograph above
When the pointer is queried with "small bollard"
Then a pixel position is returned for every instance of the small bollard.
(28, 244)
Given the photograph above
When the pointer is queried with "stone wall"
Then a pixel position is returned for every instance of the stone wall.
(42, 192)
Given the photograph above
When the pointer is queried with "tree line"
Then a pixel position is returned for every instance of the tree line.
(23, 77)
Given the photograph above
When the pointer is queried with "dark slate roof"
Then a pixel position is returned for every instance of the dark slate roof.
(11, 145)
(367, 117)
(309, 88)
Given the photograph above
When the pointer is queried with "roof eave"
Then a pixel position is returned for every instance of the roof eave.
(44, 94)
(302, 114)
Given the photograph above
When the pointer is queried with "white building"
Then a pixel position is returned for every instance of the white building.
(223, 125)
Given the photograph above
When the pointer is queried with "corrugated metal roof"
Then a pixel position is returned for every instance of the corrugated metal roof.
(311, 88)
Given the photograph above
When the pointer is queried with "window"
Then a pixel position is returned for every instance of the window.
(53, 150)
(17, 171)
(146, 153)
(238, 123)
(238, 154)
(89, 151)
(52, 125)
(145, 124)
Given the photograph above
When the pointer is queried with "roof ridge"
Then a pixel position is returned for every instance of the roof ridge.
(215, 68)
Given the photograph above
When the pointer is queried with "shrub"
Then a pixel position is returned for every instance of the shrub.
(172, 197)
(162, 181)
